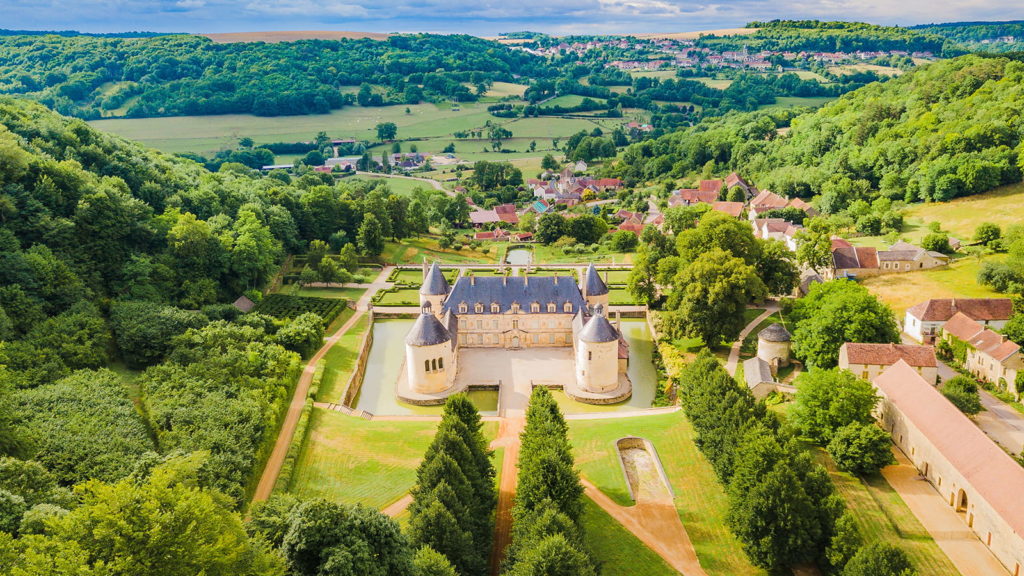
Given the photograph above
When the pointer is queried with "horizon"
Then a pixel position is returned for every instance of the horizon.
(568, 17)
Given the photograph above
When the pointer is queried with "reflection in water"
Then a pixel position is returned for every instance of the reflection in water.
(387, 354)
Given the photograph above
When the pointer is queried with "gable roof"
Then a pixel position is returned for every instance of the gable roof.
(710, 186)
(691, 196)
(850, 257)
(244, 304)
(994, 344)
(733, 209)
(982, 309)
(516, 289)
(756, 371)
(962, 327)
(768, 200)
(983, 464)
(734, 179)
(889, 354)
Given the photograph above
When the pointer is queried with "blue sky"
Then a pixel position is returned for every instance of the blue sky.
(476, 16)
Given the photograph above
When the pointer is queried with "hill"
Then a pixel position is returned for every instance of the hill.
(291, 36)
(818, 36)
(949, 129)
(981, 36)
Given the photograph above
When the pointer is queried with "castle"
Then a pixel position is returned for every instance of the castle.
(514, 313)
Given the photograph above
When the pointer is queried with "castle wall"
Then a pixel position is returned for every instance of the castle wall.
(430, 369)
(597, 365)
(515, 330)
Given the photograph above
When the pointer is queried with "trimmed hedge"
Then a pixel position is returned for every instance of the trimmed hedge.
(286, 307)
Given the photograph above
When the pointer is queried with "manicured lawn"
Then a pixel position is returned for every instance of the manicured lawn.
(415, 250)
(415, 277)
(340, 361)
(502, 89)
(961, 216)
(619, 277)
(352, 460)
(700, 499)
(881, 515)
(482, 272)
(352, 294)
(617, 549)
(553, 255)
(958, 280)
(400, 297)
(620, 297)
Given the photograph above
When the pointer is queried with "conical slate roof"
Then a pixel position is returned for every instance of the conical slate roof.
(598, 329)
(427, 331)
(434, 284)
(774, 333)
(594, 284)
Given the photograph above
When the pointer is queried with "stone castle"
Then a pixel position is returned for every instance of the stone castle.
(514, 313)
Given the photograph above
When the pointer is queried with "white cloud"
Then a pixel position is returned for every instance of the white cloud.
(308, 8)
(190, 4)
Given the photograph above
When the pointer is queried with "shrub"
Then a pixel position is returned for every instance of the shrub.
(861, 449)
(963, 393)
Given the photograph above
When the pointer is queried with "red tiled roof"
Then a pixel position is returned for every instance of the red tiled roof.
(962, 327)
(889, 354)
(994, 344)
(767, 200)
(734, 179)
(733, 209)
(983, 464)
(691, 196)
(983, 309)
(608, 183)
(710, 186)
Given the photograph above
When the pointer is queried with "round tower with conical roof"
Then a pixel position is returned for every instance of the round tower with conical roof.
(597, 355)
(429, 356)
(773, 346)
(434, 289)
(595, 291)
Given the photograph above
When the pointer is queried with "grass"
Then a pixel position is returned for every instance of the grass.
(882, 516)
(958, 280)
(503, 89)
(399, 186)
(793, 101)
(569, 100)
(617, 549)
(961, 216)
(620, 297)
(554, 255)
(340, 362)
(616, 277)
(700, 499)
(721, 84)
(414, 250)
(352, 294)
(400, 297)
(352, 460)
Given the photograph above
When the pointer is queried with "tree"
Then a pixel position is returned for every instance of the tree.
(308, 276)
(254, 252)
(624, 241)
(549, 162)
(428, 562)
(386, 131)
(836, 312)
(710, 297)
(776, 267)
(718, 230)
(316, 252)
(986, 233)
(938, 242)
(370, 236)
(348, 258)
(845, 543)
(330, 538)
(553, 556)
(879, 559)
(861, 449)
(303, 334)
(814, 245)
(550, 227)
(143, 330)
(963, 393)
(827, 400)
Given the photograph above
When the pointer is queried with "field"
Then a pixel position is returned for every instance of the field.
(620, 297)
(958, 280)
(660, 74)
(962, 215)
(283, 306)
(399, 186)
(415, 250)
(721, 84)
(398, 297)
(854, 68)
(617, 549)
(502, 89)
(700, 499)
(339, 363)
(568, 100)
(793, 101)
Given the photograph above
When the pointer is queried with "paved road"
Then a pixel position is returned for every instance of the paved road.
(970, 556)
(272, 469)
(734, 352)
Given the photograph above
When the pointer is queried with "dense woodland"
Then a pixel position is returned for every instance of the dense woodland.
(85, 76)
(983, 36)
(818, 36)
(945, 130)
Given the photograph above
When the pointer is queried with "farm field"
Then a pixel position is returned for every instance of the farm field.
(721, 84)
(958, 280)
(700, 499)
(962, 215)
(569, 100)
(502, 89)
(660, 74)
(854, 68)
(617, 549)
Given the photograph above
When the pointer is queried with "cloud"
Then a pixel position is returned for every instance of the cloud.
(307, 8)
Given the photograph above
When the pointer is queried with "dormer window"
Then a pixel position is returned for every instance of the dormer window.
(495, 308)
(479, 308)
(567, 307)
(463, 308)
(535, 307)
(515, 307)
(551, 307)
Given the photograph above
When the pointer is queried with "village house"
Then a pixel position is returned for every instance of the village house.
(504, 213)
(904, 257)
(924, 321)
(735, 181)
(970, 472)
(765, 201)
(692, 196)
(987, 355)
(776, 229)
(850, 261)
(867, 361)
(734, 209)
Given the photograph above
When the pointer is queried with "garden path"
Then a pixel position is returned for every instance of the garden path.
(734, 352)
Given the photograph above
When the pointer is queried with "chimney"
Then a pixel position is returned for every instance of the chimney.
(556, 278)
(526, 281)
(472, 280)
(953, 305)
(424, 268)
(504, 280)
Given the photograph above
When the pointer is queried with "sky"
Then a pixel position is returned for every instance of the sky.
(480, 17)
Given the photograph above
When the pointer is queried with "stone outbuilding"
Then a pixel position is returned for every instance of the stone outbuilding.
(773, 346)
(867, 361)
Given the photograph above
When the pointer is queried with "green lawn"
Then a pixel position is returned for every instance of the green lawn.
(415, 250)
(620, 297)
(568, 100)
(352, 294)
(554, 255)
(340, 361)
(617, 549)
(399, 186)
(400, 297)
(792, 101)
(619, 277)
(700, 499)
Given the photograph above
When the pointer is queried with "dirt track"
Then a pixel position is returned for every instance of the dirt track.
(508, 438)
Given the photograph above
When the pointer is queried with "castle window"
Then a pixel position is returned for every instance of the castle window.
(433, 364)
(463, 308)
(590, 355)
(440, 363)
(495, 308)
(551, 307)
(426, 365)
(535, 307)
(567, 308)
(479, 308)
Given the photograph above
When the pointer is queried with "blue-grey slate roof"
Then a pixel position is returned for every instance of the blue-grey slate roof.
(775, 333)
(515, 289)
(434, 284)
(427, 331)
(598, 329)
(594, 284)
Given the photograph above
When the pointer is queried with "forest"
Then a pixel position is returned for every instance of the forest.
(818, 36)
(980, 35)
(89, 77)
(942, 131)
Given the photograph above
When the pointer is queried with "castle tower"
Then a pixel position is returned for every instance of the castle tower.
(773, 346)
(429, 356)
(595, 291)
(434, 289)
(597, 355)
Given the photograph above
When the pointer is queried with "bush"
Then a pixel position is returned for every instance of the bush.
(963, 393)
(861, 449)
(879, 559)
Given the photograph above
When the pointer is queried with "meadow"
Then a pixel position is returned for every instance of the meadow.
(962, 215)
(958, 280)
